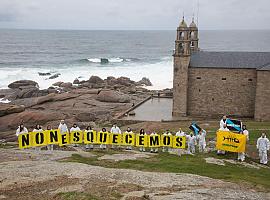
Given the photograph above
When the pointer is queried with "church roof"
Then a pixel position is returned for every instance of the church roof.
(245, 60)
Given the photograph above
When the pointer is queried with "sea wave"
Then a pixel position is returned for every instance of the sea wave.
(108, 60)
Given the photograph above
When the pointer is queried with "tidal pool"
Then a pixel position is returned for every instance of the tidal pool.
(154, 109)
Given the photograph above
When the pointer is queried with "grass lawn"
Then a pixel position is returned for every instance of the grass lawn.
(165, 162)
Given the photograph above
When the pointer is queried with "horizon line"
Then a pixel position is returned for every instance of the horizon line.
(52, 29)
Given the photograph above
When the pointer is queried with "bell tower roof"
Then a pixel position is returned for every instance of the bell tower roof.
(183, 23)
(192, 24)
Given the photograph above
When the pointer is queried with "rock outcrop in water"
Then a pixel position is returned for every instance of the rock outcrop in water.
(145, 81)
(23, 83)
(104, 61)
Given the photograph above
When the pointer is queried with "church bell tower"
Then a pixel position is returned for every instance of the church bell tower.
(180, 72)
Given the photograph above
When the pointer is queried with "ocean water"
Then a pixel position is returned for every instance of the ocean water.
(135, 54)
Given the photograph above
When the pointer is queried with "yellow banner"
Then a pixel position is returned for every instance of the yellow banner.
(154, 140)
(229, 141)
(24, 141)
(115, 139)
(53, 136)
(141, 140)
(39, 138)
(128, 139)
(64, 139)
(43, 138)
(103, 138)
(90, 137)
(179, 142)
(167, 140)
(76, 137)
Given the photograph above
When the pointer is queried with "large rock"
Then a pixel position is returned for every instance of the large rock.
(76, 81)
(66, 85)
(86, 117)
(30, 119)
(54, 76)
(124, 81)
(22, 83)
(145, 81)
(58, 84)
(95, 80)
(27, 92)
(6, 109)
(112, 96)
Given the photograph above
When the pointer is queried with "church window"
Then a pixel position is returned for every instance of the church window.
(181, 35)
(224, 79)
(192, 35)
(198, 78)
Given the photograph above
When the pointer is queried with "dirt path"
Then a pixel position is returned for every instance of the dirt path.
(46, 178)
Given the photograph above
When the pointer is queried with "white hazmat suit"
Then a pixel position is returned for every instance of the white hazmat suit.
(202, 141)
(263, 147)
(242, 155)
(191, 141)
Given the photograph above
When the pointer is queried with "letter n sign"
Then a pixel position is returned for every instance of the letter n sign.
(24, 141)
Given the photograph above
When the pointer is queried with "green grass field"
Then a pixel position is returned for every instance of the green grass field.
(165, 162)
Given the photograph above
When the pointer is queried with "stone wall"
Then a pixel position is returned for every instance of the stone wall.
(262, 106)
(215, 92)
(180, 82)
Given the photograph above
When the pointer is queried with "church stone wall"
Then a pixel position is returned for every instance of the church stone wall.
(262, 112)
(180, 83)
(215, 92)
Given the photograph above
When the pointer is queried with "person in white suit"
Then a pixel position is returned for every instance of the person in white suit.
(223, 121)
(181, 134)
(21, 130)
(63, 127)
(223, 128)
(263, 147)
(201, 140)
(191, 141)
(242, 155)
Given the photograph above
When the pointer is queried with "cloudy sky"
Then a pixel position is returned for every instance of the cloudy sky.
(133, 14)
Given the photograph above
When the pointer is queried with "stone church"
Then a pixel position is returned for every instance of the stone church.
(212, 84)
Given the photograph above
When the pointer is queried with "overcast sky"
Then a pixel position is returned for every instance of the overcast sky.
(133, 14)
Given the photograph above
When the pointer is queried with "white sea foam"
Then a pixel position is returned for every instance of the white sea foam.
(160, 74)
(4, 100)
(111, 60)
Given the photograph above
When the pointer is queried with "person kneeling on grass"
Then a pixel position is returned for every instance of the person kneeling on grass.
(263, 147)
(129, 131)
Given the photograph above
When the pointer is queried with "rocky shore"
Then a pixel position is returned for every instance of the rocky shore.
(92, 102)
